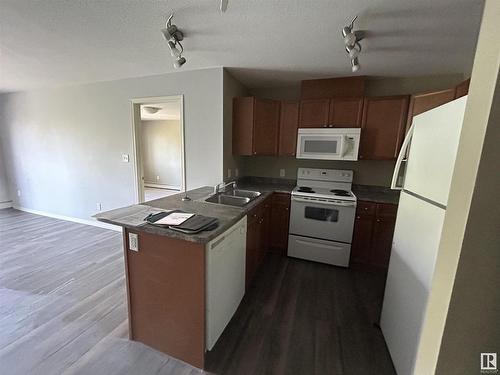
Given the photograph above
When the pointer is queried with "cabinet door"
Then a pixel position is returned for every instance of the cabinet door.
(280, 217)
(265, 136)
(383, 127)
(420, 103)
(253, 239)
(289, 122)
(346, 112)
(362, 239)
(462, 89)
(243, 109)
(314, 113)
(383, 231)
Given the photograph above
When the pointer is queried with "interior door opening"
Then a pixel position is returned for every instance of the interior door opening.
(159, 147)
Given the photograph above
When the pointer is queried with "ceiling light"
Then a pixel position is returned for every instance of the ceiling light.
(352, 45)
(174, 51)
(353, 51)
(173, 36)
(180, 61)
(355, 65)
(223, 5)
(151, 110)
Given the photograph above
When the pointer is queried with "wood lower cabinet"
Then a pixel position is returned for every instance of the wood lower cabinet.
(373, 232)
(255, 126)
(346, 112)
(258, 229)
(289, 123)
(280, 219)
(383, 126)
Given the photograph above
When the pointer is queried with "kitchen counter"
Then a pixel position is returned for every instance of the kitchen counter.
(127, 217)
(377, 194)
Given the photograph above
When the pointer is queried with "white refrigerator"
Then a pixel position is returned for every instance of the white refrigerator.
(425, 184)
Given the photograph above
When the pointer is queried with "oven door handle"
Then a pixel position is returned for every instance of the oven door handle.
(346, 204)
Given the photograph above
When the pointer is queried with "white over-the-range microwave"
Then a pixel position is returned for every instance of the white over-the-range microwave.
(328, 144)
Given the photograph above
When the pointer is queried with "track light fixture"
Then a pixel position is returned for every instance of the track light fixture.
(352, 45)
(173, 36)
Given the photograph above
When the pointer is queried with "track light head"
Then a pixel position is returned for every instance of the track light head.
(355, 65)
(179, 61)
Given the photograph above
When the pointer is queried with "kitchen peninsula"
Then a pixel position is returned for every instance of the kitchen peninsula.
(183, 289)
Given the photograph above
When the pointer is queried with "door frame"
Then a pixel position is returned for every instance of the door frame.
(135, 105)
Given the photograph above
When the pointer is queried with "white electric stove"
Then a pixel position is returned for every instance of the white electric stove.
(322, 216)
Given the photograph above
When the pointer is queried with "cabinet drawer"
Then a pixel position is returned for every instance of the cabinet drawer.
(365, 208)
(387, 210)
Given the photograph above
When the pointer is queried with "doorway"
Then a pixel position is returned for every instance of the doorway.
(158, 127)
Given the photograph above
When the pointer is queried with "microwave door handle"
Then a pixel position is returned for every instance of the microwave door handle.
(401, 158)
(347, 145)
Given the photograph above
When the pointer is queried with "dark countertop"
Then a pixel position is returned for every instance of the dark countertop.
(377, 194)
(130, 217)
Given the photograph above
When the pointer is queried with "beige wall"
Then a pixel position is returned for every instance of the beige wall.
(365, 172)
(161, 152)
(459, 331)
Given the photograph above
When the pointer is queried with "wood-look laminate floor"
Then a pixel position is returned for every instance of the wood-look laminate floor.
(63, 311)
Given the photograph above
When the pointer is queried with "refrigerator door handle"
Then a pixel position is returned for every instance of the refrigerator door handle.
(401, 158)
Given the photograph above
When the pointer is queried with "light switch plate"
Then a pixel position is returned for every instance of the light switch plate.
(282, 172)
(133, 241)
(236, 172)
(229, 173)
(125, 158)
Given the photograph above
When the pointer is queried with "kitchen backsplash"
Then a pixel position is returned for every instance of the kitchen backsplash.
(366, 172)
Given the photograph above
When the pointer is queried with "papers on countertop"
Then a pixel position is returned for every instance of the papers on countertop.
(175, 218)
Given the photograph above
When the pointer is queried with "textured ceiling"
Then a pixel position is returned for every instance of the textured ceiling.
(264, 42)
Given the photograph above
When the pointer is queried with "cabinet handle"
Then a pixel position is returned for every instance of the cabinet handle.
(366, 208)
(378, 220)
(358, 217)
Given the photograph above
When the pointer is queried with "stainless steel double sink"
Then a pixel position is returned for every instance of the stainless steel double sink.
(236, 197)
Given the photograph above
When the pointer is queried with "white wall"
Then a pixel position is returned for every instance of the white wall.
(63, 146)
(161, 152)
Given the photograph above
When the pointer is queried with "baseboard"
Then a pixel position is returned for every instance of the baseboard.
(160, 186)
(7, 204)
(94, 223)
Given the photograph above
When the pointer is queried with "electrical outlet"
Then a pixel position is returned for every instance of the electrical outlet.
(133, 241)
(282, 172)
(229, 173)
(157, 178)
(125, 158)
(99, 206)
(19, 193)
(236, 172)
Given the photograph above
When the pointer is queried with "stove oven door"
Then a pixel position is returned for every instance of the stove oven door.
(325, 220)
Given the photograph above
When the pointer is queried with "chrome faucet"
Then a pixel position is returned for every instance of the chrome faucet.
(218, 187)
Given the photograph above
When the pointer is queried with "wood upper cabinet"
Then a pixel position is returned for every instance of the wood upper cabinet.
(420, 103)
(255, 126)
(346, 112)
(280, 218)
(289, 122)
(382, 128)
(314, 113)
(462, 89)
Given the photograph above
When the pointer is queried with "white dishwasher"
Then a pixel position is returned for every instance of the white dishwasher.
(225, 279)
